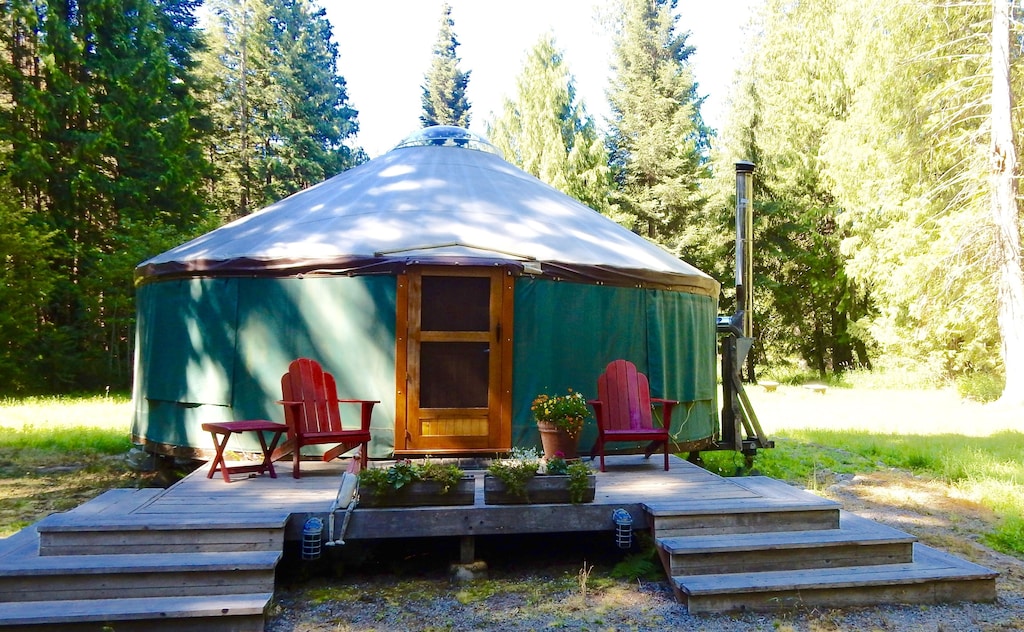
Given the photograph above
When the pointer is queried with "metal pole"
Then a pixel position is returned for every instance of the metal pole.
(744, 244)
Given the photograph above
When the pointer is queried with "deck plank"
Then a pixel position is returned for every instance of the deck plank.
(117, 501)
(19, 545)
(156, 522)
(128, 563)
(853, 530)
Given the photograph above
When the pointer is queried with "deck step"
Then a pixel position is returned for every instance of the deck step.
(857, 542)
(933, 577)
(777, 507)
(70, 534)
(24, 543)
(238, 613)
(137, 575)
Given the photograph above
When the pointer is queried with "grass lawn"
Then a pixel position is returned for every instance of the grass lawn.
(57, 453)
(975, 451)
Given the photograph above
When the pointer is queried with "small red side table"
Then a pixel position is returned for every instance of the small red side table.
(222, 431)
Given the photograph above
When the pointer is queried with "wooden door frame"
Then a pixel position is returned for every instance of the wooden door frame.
(406, 375)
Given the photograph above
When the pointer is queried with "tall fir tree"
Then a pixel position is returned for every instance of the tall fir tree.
(101, 146)
(280, 109)
(318, 120)
(657, 140)
(1005, 211)
(444, 88)
(806, 306)
(914, 167)
(25, 284)
(547, 132)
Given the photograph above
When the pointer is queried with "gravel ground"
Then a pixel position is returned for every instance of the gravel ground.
(503, 605)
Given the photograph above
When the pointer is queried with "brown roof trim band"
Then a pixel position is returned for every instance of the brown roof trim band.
(369, 265)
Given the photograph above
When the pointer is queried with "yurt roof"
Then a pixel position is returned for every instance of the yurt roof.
(442, 197)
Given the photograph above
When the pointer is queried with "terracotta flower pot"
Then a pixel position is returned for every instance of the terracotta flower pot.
(556, 440)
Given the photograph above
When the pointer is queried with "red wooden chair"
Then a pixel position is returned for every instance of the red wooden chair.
(313, 416)
(623, 410)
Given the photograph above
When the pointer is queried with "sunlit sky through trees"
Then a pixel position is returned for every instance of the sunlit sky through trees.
(385, 50)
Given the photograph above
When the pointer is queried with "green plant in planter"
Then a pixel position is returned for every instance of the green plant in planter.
(393, 478)
(556, 465)
(579, 481)
(577, 471)
(516, 471)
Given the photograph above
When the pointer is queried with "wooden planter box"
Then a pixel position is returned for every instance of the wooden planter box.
(420, 493)
(541, 489)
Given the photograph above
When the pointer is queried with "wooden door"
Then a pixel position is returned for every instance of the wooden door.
(454, 359)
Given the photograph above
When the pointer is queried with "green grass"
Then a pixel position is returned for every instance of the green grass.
(58, 452)
(101, 411)
(895, 375)
(988, 470)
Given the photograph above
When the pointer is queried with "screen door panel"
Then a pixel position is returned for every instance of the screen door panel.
(455, 395)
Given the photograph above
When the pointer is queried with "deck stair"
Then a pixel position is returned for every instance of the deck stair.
(793, 548)
(99, 565)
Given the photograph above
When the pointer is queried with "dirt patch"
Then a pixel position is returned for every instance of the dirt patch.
(932, 511)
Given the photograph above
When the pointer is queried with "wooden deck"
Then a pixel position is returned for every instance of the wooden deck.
(145, 558)
(630, 483)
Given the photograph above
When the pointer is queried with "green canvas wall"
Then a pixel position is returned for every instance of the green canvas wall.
(566, 334)
(215, 349)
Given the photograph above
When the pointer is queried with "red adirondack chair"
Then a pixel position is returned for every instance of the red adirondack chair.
(623, 410)
(313, 415)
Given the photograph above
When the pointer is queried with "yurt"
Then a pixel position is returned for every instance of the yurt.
(438, 279)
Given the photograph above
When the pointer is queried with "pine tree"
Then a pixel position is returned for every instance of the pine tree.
(805, 303)
(444, 88)
(25, 284)
(280, 109)
(912, 168)
(548, 133)
(238, 67)
(657, 138)
(102, 151)
(317, 119)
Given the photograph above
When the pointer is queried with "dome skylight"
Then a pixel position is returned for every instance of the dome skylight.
(448, 136)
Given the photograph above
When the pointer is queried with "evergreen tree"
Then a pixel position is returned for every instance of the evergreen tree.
(805, 303)
(547, 132)
(99, 130)
(444, 88)
(913, 168)
(280, 109)
(25, 284)
(657, 141)
(317, 119)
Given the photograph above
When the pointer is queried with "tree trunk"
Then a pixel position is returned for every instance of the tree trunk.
(1004, 211)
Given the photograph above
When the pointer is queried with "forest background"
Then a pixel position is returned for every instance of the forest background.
(886, 224)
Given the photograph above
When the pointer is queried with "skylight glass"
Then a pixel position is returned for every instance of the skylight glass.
(448, 136)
